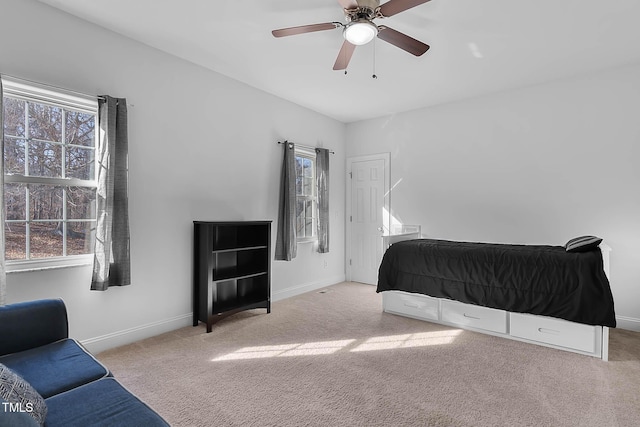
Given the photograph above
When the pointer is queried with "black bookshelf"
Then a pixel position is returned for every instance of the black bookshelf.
(231, 269)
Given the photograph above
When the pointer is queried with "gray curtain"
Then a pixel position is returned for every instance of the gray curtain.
(286, 244)
(3, 271)
(111, 264)
(322, 180)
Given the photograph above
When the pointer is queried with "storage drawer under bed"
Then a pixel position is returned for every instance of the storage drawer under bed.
(554, 331)
(412, 305)
(474, 316)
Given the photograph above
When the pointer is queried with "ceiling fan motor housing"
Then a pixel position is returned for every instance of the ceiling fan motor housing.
(371, 4)
(367, 9)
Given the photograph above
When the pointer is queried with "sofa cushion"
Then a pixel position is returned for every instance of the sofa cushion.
(32, 324)
(56, 367)
(19, 396)
(104, 402)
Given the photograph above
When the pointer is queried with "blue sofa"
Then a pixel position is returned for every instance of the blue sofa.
(76, 388)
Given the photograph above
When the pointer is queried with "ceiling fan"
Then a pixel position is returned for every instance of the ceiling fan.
(360, 28)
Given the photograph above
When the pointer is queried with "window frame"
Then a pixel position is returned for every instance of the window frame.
(308, 153)
(67, 101)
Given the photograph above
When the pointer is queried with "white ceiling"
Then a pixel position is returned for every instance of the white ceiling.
(477, 46)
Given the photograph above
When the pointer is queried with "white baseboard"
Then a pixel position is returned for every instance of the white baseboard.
(306, 287)
(629, 323)
(127, 336)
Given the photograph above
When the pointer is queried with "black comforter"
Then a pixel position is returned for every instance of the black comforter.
(543, 280)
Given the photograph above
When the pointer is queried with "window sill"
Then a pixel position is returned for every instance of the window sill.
(307, 241)
(50, 264)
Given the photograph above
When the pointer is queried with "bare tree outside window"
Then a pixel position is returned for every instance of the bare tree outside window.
(50, 188)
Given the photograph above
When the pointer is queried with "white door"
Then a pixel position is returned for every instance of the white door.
(368, 217)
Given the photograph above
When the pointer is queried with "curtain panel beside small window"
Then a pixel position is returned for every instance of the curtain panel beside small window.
(322, 182)
(286, 239)
(112, 265)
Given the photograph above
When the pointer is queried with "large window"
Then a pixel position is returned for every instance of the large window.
(50, 177)
(306, 195)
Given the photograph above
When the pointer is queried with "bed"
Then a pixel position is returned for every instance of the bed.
(545, 295)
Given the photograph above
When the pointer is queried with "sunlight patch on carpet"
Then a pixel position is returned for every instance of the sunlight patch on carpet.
(421, 339)
(286, 350)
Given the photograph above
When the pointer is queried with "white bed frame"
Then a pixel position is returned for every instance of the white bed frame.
(541, 330)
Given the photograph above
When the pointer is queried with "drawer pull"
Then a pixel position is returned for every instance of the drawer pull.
(413, 305)
(548, 331)
(471, 317)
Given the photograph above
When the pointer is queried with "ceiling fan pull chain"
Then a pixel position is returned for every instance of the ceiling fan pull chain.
(374, 76)
(344, 55)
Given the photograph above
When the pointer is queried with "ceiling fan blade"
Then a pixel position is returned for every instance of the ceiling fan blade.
(393, 7)
(346, 51)
(403, 41)
(292, 31)
(348, 4)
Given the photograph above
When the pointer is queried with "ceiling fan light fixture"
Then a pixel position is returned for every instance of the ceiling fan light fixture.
(360, 32)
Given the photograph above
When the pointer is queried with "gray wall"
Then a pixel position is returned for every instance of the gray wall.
(538, 165)
(202, 146)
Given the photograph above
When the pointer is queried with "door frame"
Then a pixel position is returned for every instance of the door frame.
(386, 200)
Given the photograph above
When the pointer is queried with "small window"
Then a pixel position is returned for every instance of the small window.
(306, 195)
(50, 175)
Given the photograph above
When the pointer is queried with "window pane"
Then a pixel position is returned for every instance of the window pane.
(45, 202)
(15, 199)
(15, 241)
(45, 122)
(305, 221)
(80, 237)
(80, 129)
(309, 227)
(308, 207)
(14, 156)
(45, 159)
(308, 187)
(298, 166)
(81, 203)
(298, 176)
(13, 117)
(79, 163)
(309, 218)
(307, 165)
(300, 217)
(46, 239)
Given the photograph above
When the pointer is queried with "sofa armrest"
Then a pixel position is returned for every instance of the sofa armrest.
(31, 324)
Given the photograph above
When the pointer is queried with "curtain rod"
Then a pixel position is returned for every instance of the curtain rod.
(305, 146)
(55, 87)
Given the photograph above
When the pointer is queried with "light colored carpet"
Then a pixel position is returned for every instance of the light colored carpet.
(335, 359)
